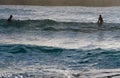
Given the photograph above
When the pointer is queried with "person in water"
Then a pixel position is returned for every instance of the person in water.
(100, 20)
(10, 18)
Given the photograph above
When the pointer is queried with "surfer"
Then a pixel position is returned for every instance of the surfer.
(10, 18)
(100, 20)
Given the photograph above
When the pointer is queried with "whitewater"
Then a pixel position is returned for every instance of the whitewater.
(59, 42)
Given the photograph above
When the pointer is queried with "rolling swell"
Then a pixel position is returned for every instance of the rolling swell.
(51, 25)
(99, 58)
(24, 57)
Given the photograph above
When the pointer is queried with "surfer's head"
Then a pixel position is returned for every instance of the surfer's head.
(100, 15)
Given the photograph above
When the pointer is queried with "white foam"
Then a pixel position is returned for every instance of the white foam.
(53, 71)
(62, 40)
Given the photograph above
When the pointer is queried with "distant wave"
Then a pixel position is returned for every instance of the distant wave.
(51, 25)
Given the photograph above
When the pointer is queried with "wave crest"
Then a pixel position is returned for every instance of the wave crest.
(48, 24)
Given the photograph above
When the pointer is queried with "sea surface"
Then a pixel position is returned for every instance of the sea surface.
(59, 42)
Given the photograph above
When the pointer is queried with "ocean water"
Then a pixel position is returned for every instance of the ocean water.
(59, 42)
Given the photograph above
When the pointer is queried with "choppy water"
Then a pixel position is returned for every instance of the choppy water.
(59, 42)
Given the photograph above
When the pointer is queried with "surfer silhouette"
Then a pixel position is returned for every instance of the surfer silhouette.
(100, 20)
(10, 18)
